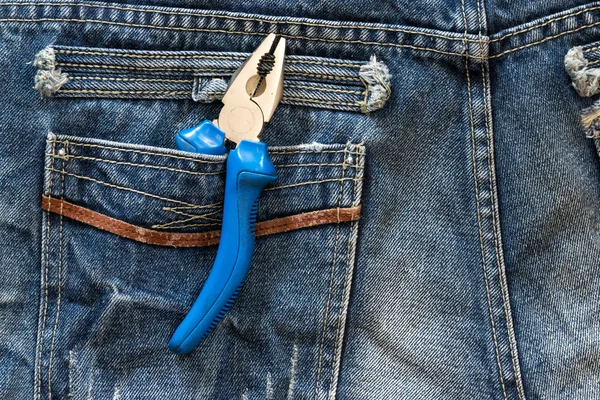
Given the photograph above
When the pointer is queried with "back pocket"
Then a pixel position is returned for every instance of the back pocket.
(129, 236)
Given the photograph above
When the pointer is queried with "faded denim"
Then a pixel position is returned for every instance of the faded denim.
(473, 272)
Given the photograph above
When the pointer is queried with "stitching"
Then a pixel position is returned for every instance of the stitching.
(141, 152)
(142, 165)
(41, 345)
(123, 188)
(110, 92)
(175, 28)
(310, 183)
(494, 217)
(308, 165)
(221, 70)
(345, 290)
(135, 68)
(173, 209)
(188, 214)
(337, 103)
(474, 161)
(591, 49)
(337, 331)
(545, 23)
(99, 78)
(60, 271)
(315, 151)
(331, 278)
(164, 93)
(195, 56)
(185, 226)
(545, 39)
(324, 89)
(191, 218)
(231, 17)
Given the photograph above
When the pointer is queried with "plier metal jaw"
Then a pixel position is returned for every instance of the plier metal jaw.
(249, 102)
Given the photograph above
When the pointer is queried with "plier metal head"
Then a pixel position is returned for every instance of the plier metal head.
(254, 92)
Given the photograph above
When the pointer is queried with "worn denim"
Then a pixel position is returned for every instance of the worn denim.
(472, 273)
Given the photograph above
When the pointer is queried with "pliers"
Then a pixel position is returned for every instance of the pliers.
(248, 103)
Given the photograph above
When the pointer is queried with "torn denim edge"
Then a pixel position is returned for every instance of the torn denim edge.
(374, 75)
(48, 79)
(586, 82)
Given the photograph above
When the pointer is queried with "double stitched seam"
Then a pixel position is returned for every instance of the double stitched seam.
(545, 39)
(161, 92)
(338, 336)
(100, 78)
(331, 282)
(545, 23)
(198, 56)
(118, 149)
(262, 20)
(60, 270)
(141, 165)
(477, 201)
(320, 89)
(46, 274)
(495, 229)
(174, 28)
(175, 224)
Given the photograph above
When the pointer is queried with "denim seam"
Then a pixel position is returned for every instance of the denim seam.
(320, 89)
(196, 56)
(160, 92)
(477, 201)
(119, 149)
(46, 275)
(574, 14)
(101, 78)
(309, 183)
(178, 69)
(233, 17)
(344, 298)
(129, 164)
(547, 38)
(192, 217)
(173, 28)
(330, 290)
(60, 272)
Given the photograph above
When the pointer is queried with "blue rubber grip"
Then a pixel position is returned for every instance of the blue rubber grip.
(205, 138)
(249, 170)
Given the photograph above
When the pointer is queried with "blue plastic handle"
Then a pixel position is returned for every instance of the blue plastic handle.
(249, 170)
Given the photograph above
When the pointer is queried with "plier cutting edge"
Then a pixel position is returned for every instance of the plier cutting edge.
(248, 103)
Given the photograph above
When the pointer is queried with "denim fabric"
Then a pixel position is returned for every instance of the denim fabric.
(473, 272)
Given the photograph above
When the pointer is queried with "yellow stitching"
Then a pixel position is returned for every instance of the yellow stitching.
(545, 39)
(226, 71)
(545, 23)
(198, 56)
(155, 56)
(142, 152)
(593, 62)
(307, 165)
(193, 215)
(60, 268)
(591, 49)
(143, 165)
(230, 17)
(339, 103)
(134, 68)
(192, 218)
(331, 276)
(162, 93)
(123, 188)
(213, 205)
(478, 208)
(494, 216)
(184, 226)
(41, 344)
(337, 330)
(99, 78)
(309, 183)
(324, 89)
(312, 151)
(174, 28)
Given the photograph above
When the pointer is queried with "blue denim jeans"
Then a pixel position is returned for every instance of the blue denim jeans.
(433, 232)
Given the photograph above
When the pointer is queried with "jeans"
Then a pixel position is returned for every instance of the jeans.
(433, 232)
